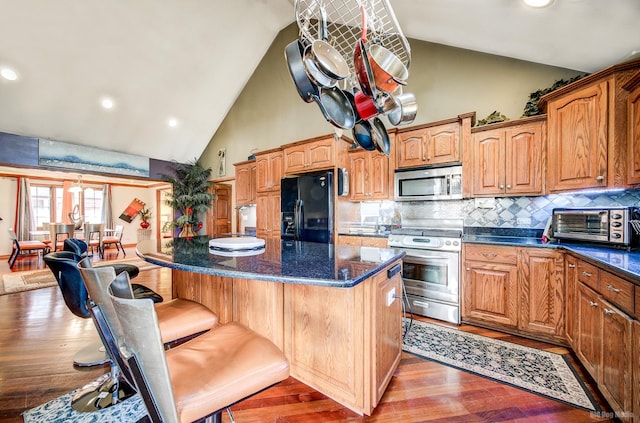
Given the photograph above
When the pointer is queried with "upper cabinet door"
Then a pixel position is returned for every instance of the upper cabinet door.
(524, 159)
(633, 136)
(410, 148)
(578, 137)
(488, 168)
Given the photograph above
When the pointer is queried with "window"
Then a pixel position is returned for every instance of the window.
(46, 201)
(92, 205)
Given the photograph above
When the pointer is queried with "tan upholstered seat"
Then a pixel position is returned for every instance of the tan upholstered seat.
(19, 246)
(200, 377)
(115, 239)
(178, 318)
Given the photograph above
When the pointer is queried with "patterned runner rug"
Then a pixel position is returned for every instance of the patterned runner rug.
(534, 370)
(36, 279)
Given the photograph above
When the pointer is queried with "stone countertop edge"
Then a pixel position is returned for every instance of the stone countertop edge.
(332, 283)
(364, 234)
(621, 262)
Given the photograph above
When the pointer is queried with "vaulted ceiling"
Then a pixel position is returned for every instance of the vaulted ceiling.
(188, 60)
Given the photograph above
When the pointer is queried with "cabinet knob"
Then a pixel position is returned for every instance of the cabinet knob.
(501, 186)
(600, 178)
(508, 186)
(572, 266)
(609, 312)
(428, 158)
(592, 304)
(610, 288)
(492, 255)
(467, 269)
(587, 274)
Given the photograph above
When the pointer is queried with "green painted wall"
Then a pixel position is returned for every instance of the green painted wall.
(447, 82)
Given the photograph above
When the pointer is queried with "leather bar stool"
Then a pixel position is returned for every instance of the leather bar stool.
(199, 378)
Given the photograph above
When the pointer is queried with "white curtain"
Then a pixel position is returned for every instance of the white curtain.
(25, 223)
(107, 213)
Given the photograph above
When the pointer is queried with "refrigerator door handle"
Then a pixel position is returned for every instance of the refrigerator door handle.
(299, 219)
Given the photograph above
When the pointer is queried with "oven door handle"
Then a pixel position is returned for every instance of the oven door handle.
(408, 259)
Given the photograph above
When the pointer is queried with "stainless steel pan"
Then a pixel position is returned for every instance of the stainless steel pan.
(306, 88)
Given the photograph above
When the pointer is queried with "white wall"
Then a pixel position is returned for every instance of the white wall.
(121, 197)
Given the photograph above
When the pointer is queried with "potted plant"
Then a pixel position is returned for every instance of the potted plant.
(145, 216)
(190, 196)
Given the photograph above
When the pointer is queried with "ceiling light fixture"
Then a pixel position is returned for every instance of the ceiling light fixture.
(538, 3)
(77, 186)
(172, 122)
(107, 103)
(8, 74)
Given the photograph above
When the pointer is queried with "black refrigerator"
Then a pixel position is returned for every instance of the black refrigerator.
(307, 207)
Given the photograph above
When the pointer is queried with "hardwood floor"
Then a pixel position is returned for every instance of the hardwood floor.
(39, 336)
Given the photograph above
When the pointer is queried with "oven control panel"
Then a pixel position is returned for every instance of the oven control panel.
(425, 242)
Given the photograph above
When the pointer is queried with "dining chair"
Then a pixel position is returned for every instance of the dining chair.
(114, 239)
(47, 238)
(199, 378)
(179, 320)
(93, 234)
(22, 246)
(60, 232)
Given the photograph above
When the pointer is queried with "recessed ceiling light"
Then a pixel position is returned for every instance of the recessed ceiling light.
(538, 3)
(8, 74)
(172, 122)
(107, 103)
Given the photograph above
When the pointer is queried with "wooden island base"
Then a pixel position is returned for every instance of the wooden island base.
(344, 342)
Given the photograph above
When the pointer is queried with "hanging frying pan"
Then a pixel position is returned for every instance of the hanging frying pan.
(306, 88)
(405, 112)
(336, 107)
(327, 59)
(363, 136)
(380, 136)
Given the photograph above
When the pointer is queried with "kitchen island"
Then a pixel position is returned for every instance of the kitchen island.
(332, 309)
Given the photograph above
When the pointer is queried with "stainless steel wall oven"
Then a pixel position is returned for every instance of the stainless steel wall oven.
(431, 269)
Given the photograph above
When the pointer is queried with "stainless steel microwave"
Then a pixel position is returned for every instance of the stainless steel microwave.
(437, 183)
(605, 225)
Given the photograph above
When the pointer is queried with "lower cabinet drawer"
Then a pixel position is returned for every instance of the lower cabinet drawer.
(617, 290)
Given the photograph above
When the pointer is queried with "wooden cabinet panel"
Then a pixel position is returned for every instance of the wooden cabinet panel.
(484, 252)
(326, 344)
(589, 329)
(245, 183)
(488, 169)
(490, 288)
(618, 291)
(433, 145)
(616, 377)
(588, 275)
(362, 241)
(509, 160)
(578, 138)
(540, 275)
(214, 292)
(268, 214)
(368, 176)
(309, 156)
(633, 136)
(571, 283)
(259, 306)
(636, 368)
(269, 171)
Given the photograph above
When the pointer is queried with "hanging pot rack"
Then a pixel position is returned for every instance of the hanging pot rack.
(344, 27)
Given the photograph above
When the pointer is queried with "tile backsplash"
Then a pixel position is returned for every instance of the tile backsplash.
(514, 212)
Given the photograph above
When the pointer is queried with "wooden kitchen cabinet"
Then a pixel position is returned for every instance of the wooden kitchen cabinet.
(490, 285)
(268, 215)
(362, 241)
(508, 158)
(571, 284)
(633, 130)
(259, 306)
(307, 156)
(269, 170)
(540, 277)
(591, 138)
(345, 342)
(589, 330)
(520, 290)
(636, 367)
(245, 183)
(368, 175)
(578, 138)
(429, 145)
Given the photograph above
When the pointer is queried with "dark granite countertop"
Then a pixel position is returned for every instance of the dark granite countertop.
(295, 262)
(365, 234)
(624, 263)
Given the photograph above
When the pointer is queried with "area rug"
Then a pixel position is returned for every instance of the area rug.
(536, 371)
(36, 279)
(59, 411)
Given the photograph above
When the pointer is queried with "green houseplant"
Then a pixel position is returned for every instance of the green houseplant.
(190, 196)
